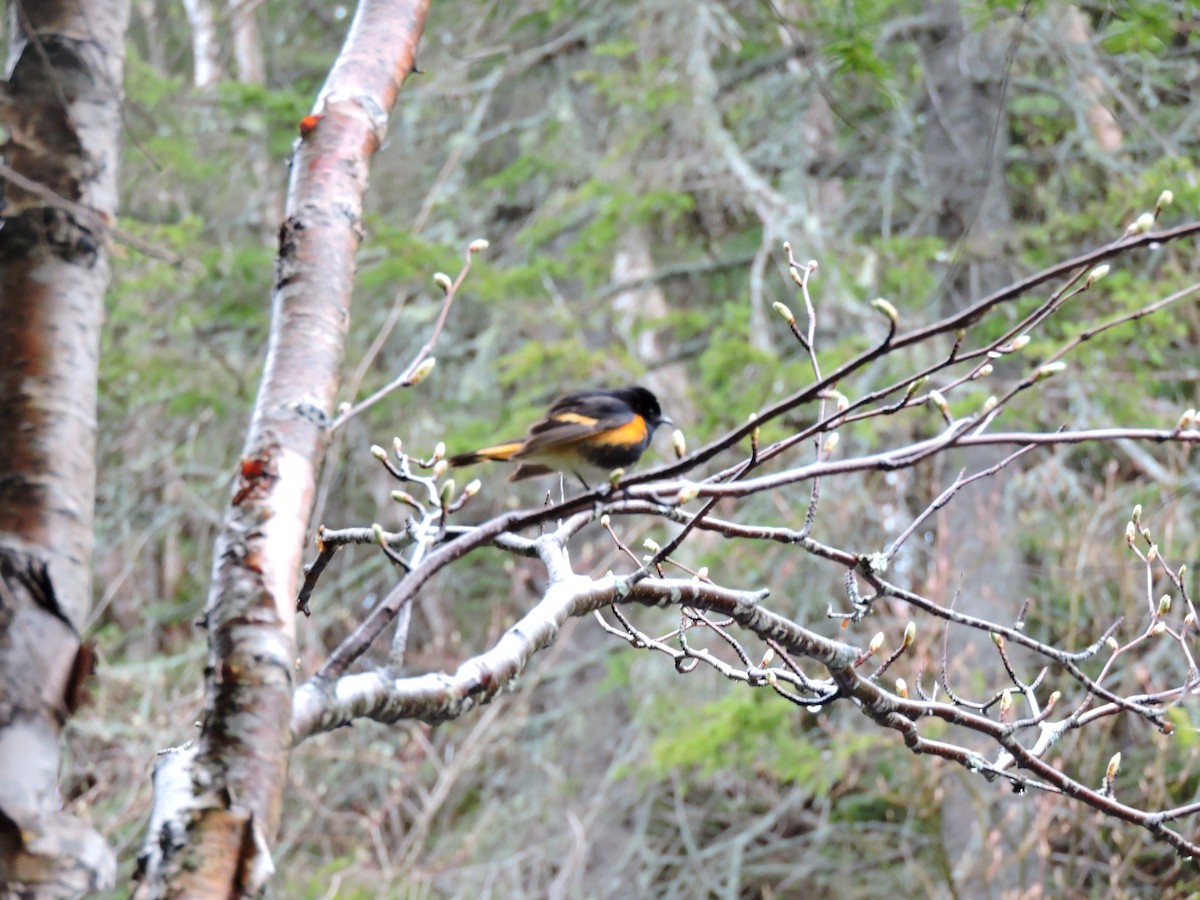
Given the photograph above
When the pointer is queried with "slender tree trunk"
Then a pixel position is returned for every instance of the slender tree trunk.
(206, 52)
(265, 200)
(966, 139)
(217, 805)
(247, 45)
(61, 109)
(1092, 94)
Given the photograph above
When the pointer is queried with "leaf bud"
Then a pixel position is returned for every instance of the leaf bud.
(1144, 222)
(841, 401)
(679, 442)
(1096, 274)
(914, 387)
(1049, 369)
(422, 371)
(887, 309)
(1114, 766)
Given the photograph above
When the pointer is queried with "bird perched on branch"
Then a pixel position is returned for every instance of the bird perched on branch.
(585, 433)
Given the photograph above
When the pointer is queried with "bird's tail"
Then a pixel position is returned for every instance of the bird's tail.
(499, 453)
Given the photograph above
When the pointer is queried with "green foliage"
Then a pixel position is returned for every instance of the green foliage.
(905, 275)
(754, 732)
(147, 85)
(394, 256)
(566, 356)
(852, 28)
(517, 174)
(1186, 733)
(630, 78)
(257, 111)
(1142, 28)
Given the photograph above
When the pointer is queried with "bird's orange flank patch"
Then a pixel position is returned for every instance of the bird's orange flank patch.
(632, 432)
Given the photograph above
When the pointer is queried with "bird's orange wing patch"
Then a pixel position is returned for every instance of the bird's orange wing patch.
(573, 418)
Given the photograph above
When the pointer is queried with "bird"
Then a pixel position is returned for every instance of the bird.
(592, 432)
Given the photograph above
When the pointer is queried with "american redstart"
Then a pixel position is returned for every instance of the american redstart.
(587, 432)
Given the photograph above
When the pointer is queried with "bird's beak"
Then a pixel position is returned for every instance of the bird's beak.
(665, 421)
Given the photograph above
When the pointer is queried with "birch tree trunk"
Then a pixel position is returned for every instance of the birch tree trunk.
(61, 113)
(206, 52)
(217, 805)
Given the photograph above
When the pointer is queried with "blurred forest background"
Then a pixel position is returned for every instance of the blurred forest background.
(636, 167)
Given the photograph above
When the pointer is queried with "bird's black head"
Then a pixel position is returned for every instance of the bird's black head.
(645, 404)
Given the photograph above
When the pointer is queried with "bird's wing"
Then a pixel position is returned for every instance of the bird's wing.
(575, 417)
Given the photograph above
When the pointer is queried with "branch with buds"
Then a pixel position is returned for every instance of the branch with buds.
(1008, 730)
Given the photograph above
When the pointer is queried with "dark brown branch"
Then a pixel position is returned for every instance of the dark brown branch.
(947, 325)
